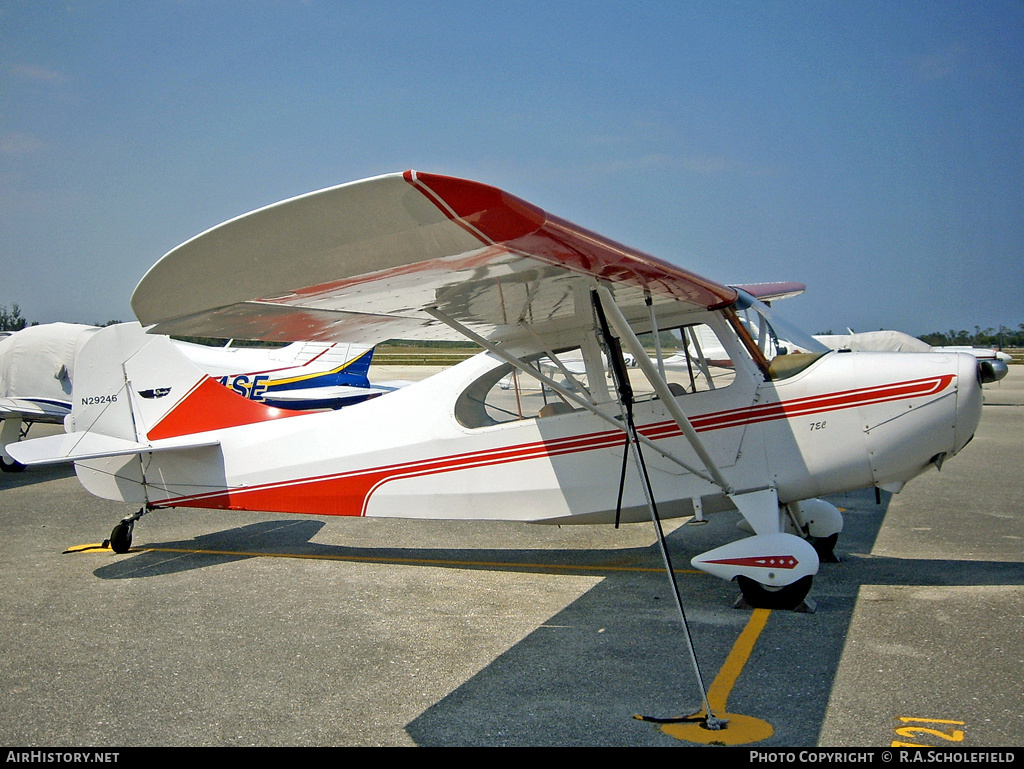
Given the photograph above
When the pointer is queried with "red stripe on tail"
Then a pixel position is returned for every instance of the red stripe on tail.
(211, 406)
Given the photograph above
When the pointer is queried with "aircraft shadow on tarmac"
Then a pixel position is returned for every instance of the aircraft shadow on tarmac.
(36, 475)
(293, 538)
(263, 539)
(618, 649)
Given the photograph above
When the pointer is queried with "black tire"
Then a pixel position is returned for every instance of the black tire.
(121, 537)
(825, 548)
(10, 465)
(787, 598)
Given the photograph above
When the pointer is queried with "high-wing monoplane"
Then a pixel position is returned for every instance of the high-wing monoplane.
(770, 425)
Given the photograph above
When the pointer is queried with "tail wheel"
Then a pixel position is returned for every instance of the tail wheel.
(121, 537)
(787, 597)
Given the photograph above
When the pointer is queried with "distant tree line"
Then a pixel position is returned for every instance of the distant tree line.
(11, 320)
(988, 337)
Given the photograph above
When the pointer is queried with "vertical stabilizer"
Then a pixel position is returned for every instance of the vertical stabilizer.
(140, 387)
(102, 398)
(360, 367)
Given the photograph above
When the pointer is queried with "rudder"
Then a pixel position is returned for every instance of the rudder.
(101, 398)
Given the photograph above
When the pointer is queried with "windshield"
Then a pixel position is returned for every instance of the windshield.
(776, 338)
(773, 334)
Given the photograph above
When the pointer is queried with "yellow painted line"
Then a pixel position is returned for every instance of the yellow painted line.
(739, 729)
(393, 560)
(942, 736)
(97, 546)
(721, 687)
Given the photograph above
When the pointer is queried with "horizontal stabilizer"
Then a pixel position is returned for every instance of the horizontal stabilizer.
(326, 393)
(328, 397)
(76, 447)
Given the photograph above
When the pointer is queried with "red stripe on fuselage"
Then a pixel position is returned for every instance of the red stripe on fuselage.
(349, 493)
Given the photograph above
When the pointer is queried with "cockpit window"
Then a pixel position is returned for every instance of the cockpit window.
(506, 394)
(787, 350)
(692, 359)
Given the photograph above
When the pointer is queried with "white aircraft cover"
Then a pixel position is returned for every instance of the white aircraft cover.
(37, 366)
(874, 341)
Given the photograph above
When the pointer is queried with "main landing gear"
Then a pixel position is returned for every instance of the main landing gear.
(10, 465)
(820, 523)
(12, 430)
(790, 597)
(774, 571)
(121, 536)
(825, 547)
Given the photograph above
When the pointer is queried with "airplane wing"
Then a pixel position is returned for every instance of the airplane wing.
(49, 410)
(769, 292)
(367, 261)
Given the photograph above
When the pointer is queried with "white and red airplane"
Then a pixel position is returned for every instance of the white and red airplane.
(778, 423)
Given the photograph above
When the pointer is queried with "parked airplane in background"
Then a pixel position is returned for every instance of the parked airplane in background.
(302, 375)
(37, 366)
(421, 256)
(992, 363)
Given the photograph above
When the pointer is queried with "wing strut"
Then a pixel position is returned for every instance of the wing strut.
(624, 390)
(562, 391)
(657, 381)
(655, 333)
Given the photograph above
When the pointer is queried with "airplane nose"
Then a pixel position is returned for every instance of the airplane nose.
(968, 399)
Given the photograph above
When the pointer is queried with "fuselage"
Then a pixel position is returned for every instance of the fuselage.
(846, 421)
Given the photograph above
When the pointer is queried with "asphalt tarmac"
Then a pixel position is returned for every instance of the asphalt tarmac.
(231, 629)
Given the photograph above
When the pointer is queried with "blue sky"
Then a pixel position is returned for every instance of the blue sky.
(872, 150)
